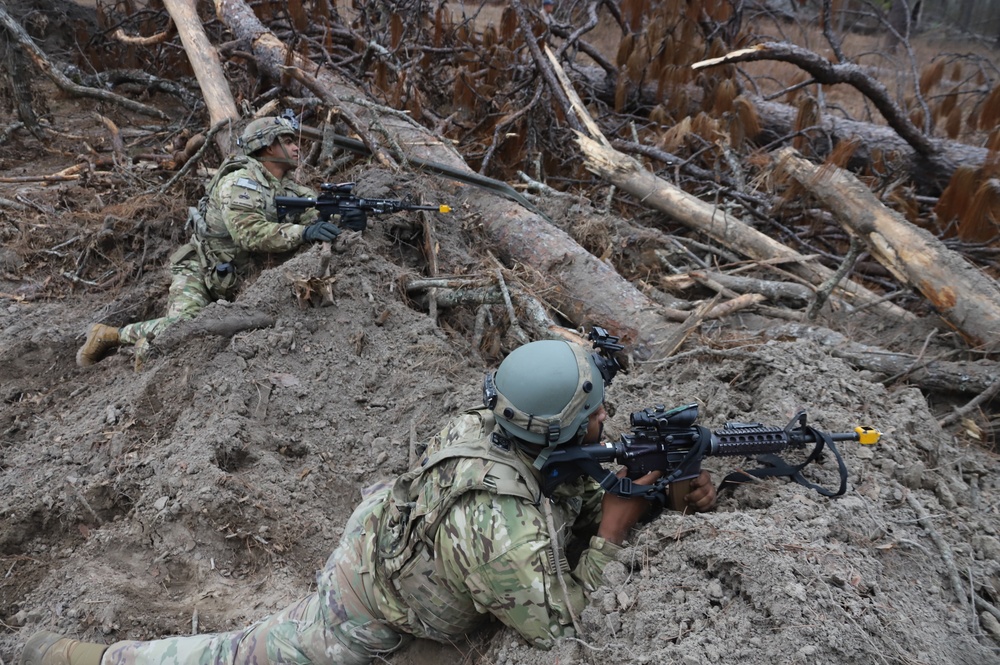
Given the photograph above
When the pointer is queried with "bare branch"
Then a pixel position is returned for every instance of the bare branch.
(45, 66)
(828, 73)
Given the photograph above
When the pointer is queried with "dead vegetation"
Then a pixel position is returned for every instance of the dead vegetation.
(509, 87)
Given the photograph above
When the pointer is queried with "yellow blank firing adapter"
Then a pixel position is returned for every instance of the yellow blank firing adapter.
(867, 436)
(444, 208)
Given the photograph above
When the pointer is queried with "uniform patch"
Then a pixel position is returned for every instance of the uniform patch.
(247, 183)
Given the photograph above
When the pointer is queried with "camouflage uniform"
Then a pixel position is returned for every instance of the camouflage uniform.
(240, 217)
(461, 537)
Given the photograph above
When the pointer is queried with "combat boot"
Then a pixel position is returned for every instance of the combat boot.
(47, 648)
(101, 339)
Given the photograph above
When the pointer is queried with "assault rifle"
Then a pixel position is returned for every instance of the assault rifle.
(335, 198)
(669, 441)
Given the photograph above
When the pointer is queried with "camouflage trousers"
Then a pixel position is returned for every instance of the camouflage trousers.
(333, 626)
(188, 295)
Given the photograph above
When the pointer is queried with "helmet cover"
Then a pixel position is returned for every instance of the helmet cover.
(262, 132)
(544, 392)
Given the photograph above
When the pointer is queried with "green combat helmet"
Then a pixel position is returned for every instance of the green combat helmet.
(544, 393)
(262, 132)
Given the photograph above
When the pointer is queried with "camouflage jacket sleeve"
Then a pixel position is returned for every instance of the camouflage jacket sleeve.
(500, 546)
(251, 217)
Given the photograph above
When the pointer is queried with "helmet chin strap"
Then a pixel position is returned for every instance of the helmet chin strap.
(287, 159)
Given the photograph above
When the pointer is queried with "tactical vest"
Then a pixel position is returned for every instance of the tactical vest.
(418, 501)
(211, 242)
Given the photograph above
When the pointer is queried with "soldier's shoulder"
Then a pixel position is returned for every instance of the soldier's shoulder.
(296, 189)
(246, 173)
(462, 428)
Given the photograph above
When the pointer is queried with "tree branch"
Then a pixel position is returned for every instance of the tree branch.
(829, 73)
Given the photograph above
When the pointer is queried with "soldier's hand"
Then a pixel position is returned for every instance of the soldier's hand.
(619, 514)
(354, 219)
(702, 495)
(320, 232)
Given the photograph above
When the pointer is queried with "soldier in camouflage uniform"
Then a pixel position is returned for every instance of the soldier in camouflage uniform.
(467, 533)
(236, 218)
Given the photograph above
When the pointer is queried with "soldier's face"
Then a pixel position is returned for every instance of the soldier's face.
(595, 425)
(283, 153)
(287, 145)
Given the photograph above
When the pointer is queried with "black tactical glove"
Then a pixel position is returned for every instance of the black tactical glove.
(354, 219)
(320, 232)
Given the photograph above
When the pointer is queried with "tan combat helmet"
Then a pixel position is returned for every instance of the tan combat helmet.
(262, 132)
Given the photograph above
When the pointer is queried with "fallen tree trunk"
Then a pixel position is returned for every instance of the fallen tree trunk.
(209, 324)
(204, 61)
(929, 374)
(587, 291)
(795, 294)
(829, 73)
(778, 121)
(629, 175)
(778, 124)
(967, 299)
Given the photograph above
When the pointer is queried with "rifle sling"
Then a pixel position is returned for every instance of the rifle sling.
(776, 466)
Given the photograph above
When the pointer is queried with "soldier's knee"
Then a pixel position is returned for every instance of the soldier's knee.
(361, 643)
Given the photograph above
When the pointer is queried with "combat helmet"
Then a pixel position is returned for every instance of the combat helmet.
(262, 132)
(544, 392)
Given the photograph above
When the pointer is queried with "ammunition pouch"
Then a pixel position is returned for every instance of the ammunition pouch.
(221, 279)
(218, 272)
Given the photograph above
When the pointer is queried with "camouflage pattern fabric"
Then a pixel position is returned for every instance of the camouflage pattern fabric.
(188, 295)
(330, 627)
(241, 218)
(489, 551)
(491, 554)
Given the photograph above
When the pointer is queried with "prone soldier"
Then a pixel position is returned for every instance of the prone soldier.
(236, 218)
(472, 530)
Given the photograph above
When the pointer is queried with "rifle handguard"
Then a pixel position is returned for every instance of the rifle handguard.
(739, 439)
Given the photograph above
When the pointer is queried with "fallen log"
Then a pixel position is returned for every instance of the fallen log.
(829, 73)
(972, 377)
(204, 61)
(586, 290)
(629, 175)
(778, 121)
(208, 324)
(796, 295)
(778, 124)
(965, 297)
